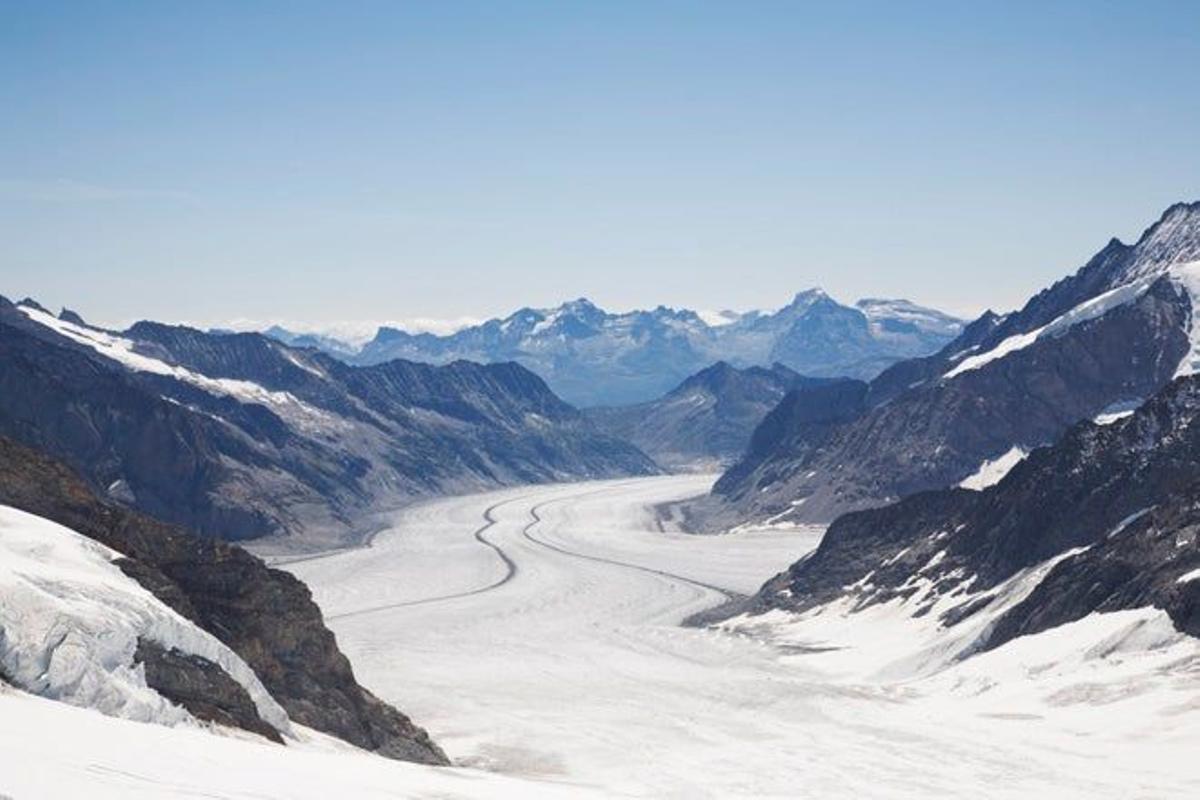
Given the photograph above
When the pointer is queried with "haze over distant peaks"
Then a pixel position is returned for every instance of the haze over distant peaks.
(592, 357)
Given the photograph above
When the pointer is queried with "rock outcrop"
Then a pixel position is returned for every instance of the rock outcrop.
(1114, 507)
(266, 616)
(1106, 338)
(236, 436)
(707, 420)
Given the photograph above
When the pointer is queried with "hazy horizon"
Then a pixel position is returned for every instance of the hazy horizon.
(392, 162)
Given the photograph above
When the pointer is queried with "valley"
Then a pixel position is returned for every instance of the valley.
(535, 632)
(686, 401)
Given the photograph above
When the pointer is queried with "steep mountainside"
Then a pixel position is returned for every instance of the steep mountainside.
(265, 616)
(1106, 519)
(1093, 344)
(238, 436)
(595, 358)
(706, 420)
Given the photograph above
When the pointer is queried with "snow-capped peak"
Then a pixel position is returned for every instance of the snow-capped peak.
(925, 319)
(808, 298)
(1174, 239)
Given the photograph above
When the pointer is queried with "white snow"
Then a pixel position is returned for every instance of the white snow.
(993, 471)
(718, 319)
(1091, 309)
(70, 621)
(568, 661)
(1187, 577)
(1125, 523)
(565, 668)
(52, 750)
(1117, 411)
(1187, 277)
(924, 319)
(122, 351)
(297, 361)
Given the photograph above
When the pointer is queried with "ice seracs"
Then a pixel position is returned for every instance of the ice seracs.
(71, 622)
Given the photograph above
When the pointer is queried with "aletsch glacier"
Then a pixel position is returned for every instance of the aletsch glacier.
(1029, 633)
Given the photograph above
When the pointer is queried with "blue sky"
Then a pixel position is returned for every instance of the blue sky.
(319, 162)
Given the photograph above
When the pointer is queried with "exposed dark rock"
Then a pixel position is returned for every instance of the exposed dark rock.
(202, 687)
(1126, 496)
(264, 615)
(250, 438)
(705, 420)
(917, 427)
(70, 316)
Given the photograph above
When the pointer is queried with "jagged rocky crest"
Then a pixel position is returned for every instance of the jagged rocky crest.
(238, 436)
(1108, 336)
(592, 357)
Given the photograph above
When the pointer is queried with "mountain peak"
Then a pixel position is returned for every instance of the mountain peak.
(67, 315)
(810, 296)
(579, 305)
(1173, 239)
(29, 302)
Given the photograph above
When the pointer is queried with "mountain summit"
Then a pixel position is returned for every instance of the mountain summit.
(1091, 346)
(592, 357)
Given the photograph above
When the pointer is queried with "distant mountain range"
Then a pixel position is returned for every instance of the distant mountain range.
(1092, 346)
(238, 436)
(591, 357)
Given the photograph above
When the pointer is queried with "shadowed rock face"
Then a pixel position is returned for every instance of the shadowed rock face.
(917, 426)
(265, 615)
(707, 419)
(237, 436)
(202, 687)
(1123, 498)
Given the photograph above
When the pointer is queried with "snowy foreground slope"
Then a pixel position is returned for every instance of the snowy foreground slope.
(71, 621)
(536, 632)
(52, 750)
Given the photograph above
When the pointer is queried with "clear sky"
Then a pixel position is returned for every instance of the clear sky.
(389, 160)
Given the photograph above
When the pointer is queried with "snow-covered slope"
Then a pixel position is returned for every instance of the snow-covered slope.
(992, 471)
(1107, 336)
(561, 655)
(1105, 520)
(71, 622)
(1185, 276)
(73, 602)
(52, 750)
(240, 436)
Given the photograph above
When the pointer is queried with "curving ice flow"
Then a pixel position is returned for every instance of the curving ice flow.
(536, 633)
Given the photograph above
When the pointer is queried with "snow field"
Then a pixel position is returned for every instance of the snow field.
(575, 668)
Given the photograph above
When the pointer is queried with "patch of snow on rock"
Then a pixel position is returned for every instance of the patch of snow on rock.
(122, 350)
(1187, 277)
(1091, 309)
(992, 472)
(1116, 411)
